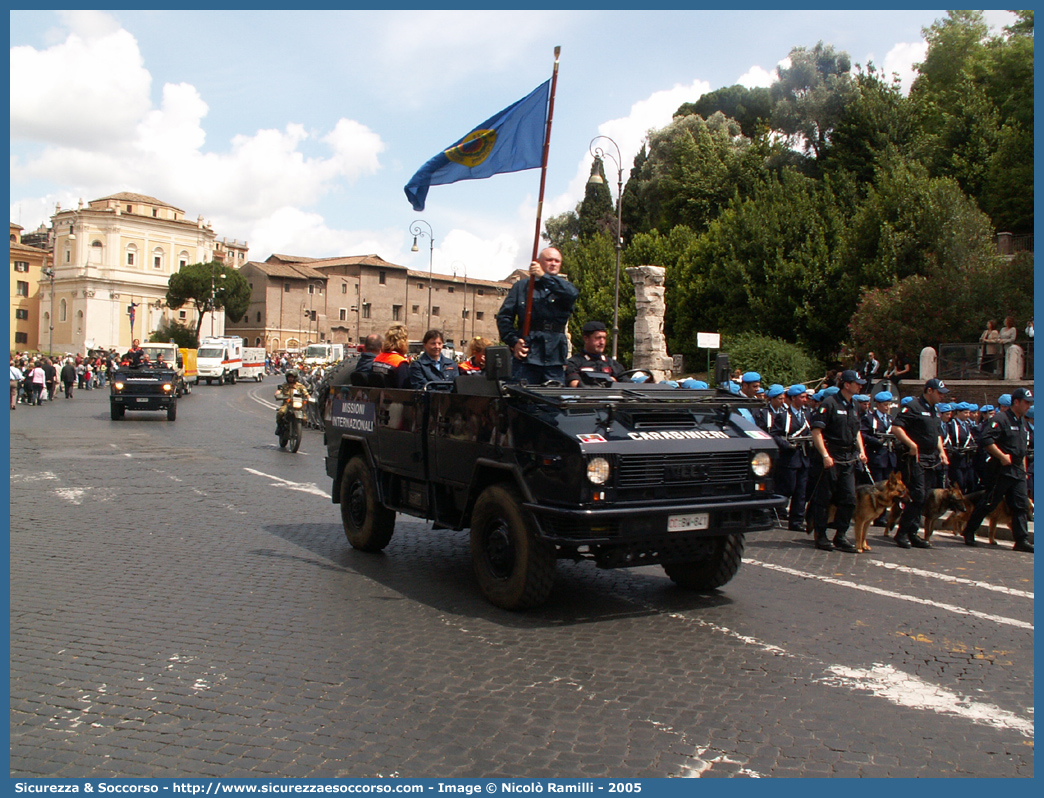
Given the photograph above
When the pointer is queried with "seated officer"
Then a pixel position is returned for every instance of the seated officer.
(593, 357)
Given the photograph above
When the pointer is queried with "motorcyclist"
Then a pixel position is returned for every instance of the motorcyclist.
(284, 392)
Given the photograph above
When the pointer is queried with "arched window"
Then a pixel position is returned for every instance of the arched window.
(97, 253)
(79, 321)
(183, 259)
(63, 310)
(259, 316)
(132, 255)
(257, 341)
(157, 258)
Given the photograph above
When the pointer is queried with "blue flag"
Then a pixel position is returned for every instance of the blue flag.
(509, 141)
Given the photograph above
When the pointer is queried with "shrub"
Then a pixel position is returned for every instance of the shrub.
(775, 360)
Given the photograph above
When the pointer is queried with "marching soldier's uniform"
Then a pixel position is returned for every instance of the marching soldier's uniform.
(878, 440)
(792, 432)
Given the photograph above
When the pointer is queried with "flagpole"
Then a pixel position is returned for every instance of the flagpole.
(540, 199)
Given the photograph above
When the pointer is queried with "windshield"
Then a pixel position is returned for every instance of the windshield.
(154, 351)
(210, 352)
(317, 350)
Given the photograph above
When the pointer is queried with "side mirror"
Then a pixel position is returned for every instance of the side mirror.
(498, 363)
(721, 368)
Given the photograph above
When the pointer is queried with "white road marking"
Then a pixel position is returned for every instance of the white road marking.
(907, 690)
(959, 580)
(703, 765)
(882, 681)
(33, 477)
(304, 487)
(891, 594)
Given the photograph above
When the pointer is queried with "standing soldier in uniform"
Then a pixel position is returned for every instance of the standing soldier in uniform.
(542, 355)
(917, 427)
(1006, 440)
(835, 434)
(877, 439)
(791, 431)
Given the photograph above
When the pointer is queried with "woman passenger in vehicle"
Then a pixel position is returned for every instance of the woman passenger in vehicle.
(391, 364)
(431, 365)
(476, 363)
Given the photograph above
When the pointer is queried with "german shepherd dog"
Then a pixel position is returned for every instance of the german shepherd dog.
(1001, 516)
(871, 501)
(937, 502)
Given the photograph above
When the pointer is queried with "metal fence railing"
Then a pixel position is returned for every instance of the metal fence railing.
(978, 361)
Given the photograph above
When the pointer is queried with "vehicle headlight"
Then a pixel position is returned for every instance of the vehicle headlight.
(168, 387)
(761, 463)
(118, 386)
(598, 470)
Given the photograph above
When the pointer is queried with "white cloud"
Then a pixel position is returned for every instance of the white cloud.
(901, 59)
(291, 231)
(756, 77)
(88, 92)
(86, 100)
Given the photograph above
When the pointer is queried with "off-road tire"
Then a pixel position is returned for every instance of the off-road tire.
(368, 524)
(172, 411)
(514, 568)
(712, 571)
(115, 411)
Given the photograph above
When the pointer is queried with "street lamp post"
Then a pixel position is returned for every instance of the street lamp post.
(464, 314)
(417, 230)
(48, 272)
(596, 179)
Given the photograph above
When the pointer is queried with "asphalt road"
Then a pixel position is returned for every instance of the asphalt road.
(184, 603)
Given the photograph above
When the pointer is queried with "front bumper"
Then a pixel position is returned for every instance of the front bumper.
(638, 525)
(131, 402)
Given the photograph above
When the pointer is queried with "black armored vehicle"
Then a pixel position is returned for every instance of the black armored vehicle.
(623, 475)
(144, 387)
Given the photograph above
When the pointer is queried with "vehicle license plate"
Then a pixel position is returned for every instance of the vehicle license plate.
(143, 400)
(685, 523)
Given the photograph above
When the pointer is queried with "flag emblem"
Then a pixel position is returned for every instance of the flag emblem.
(509, 141)
(474, 149)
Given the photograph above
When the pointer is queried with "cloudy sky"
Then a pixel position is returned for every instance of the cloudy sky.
(296, 131)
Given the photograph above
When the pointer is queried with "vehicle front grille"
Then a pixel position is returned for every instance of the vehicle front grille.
(647, 471)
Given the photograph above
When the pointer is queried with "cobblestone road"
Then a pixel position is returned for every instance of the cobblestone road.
(184, 603)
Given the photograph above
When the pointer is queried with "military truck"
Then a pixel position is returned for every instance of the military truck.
(624, 475)
(145, 387)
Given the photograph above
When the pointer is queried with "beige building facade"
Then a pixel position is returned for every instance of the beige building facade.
(113, 254)
(296, 301)
(28, 267)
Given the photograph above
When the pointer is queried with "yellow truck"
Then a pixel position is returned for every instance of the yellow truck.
(183, 361)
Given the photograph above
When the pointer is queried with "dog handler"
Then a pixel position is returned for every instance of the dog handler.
(1006, 439)
(835, 434)
(918, 428)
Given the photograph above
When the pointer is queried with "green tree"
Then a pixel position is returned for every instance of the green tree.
(203, 283)
(775, 360)
(595, 212)
(562, 229)
(751, 108)
(811, 94)
(944, 306)
(591, 266)
(172, 330)
(876, 123)
(693, 169)
(974, 102)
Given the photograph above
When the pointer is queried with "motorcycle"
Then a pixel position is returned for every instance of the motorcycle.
(291, 421)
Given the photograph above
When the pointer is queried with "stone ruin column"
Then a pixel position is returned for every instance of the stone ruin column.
(650, 345)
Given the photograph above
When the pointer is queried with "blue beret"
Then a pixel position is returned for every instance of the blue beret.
(751, 376)
(861, 397)
(639, 377)
(818, 396)
(972, 406)
(1029, 411)
(1004, 400)
(943, 407)
(775, 390)
(796, 390)
(694, 384)
(883, 396)
(672, 383)
(963, 406)
(906, 400)
(986, 408)
(831, 390)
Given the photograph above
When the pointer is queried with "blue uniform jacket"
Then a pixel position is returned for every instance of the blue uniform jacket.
(553, 300)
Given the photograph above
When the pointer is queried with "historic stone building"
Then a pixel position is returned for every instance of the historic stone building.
(28, 265)
(112, 262)
(296, 301)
